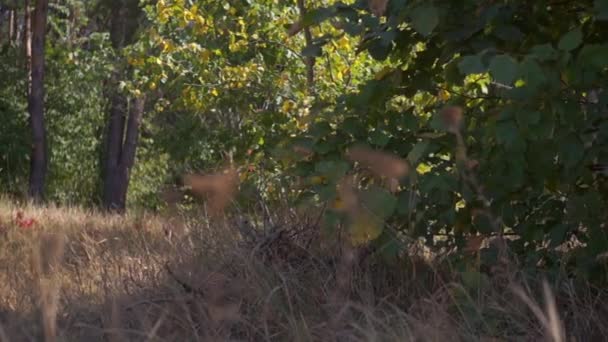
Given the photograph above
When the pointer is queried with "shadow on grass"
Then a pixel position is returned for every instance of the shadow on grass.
(115, 279)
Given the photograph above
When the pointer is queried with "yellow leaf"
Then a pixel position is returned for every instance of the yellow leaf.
(287, 106)
(338, 204)
(205, 55)
(214, 92)
(343, 42)
(423, 168)
(365, 228)
(316, 180)
(167, 46)
(382, 73)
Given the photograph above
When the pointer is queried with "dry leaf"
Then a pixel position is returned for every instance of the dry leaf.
(472, 164)
(378, 7)
(381, 163)
(347, 195)
(393, 185)
(452, 118)
(219, 188)
(474, 244)
(304, 151)
(295, 28)
(226, 312)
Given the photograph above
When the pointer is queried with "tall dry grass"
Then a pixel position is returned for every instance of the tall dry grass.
(77, 275)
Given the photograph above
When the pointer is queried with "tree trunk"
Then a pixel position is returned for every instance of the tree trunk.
(120, 156)
(27, 39)
(38, 158)
(11, 26)
(118, 184)
(16, 31)
(124, 119)
(3, 10)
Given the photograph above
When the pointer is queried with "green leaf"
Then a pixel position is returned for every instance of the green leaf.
(506, 133)
(388, 246)
(532, 73)
(471, 65)
(317, 16)
(571, 151)
(320, 130)
(594, 55)
(330, 221)
(379, 202)
(333, 170)
(353, 126)
(365, 227)
(483, 223)
(601, 9)
(326, 192)
(406, 202)
(424, 19)
(417, 152)
(557, 234)
(509, 33)
(323, 147)
(379, 50)
(544, 52)
(571, 40)
(379, 138)
(525, 119)
(474, 280)
(452, 72)
(503, 69)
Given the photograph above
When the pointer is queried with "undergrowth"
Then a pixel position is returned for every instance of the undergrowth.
(68, 274)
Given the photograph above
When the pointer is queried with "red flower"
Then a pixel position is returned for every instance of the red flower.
(27, 223)
(24, 223)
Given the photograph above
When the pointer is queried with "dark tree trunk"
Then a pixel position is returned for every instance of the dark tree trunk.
(38, 158)
(3, 10)
(27, 39)
(120, 155)
(118, 183)
(16, 31)
(124, 120)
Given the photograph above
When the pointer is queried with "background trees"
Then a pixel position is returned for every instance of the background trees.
(139, 93)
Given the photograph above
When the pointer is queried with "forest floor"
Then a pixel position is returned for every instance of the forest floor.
(68, 274)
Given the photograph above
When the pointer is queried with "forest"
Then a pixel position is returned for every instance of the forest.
(303, 170)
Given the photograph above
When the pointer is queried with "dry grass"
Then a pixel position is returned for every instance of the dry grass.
(75, 275)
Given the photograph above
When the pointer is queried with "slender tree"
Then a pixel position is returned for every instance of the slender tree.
(39, 157)
(27, 38)
(11, 25)
(124, 116)
(3, 12)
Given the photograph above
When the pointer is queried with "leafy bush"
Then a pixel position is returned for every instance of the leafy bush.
(530, 78)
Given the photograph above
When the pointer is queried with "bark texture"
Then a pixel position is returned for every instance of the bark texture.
(124, 119)
(39, 156)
